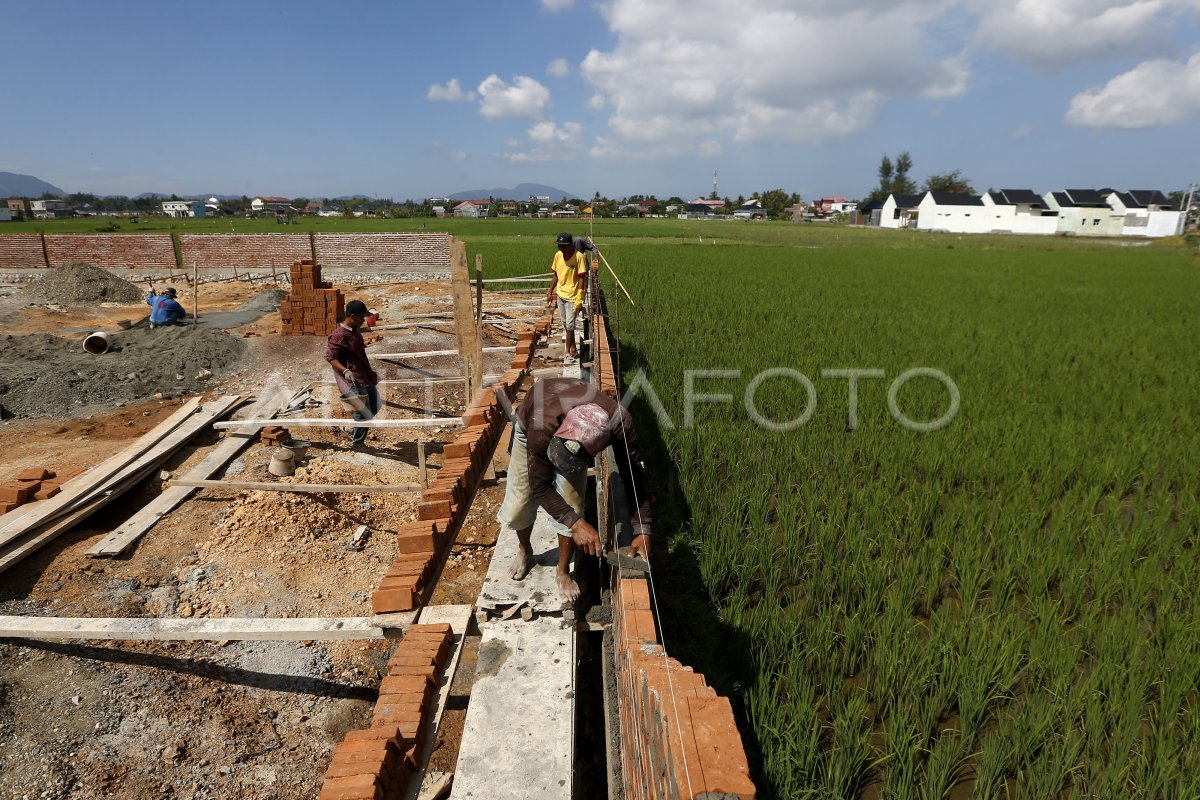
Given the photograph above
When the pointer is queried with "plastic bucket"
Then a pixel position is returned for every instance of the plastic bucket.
(96, 343)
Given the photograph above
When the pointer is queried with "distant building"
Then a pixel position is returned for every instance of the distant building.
(274, 205)
(46, 209)
(472, 209)
(1148, 212)
(184, 208)
(313, 207)
(900, 211)
(750, 210)
(20, 208)
(6, 215)
(1084, 212)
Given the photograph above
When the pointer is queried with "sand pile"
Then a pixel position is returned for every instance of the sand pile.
(44, 375)
(79, 283)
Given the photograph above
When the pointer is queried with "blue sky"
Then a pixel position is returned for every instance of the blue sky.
(410, 100)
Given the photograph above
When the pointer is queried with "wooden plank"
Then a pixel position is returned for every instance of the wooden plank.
(267, 486)
(76, 490)
(207, 629)
(459, 617)
(38, 535)
(136, 526)
(309, 422)
(432, 353)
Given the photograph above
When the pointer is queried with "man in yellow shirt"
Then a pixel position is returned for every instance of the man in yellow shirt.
(569, 283)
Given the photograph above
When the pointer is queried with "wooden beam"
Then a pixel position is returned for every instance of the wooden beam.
(315, 488)
(218, 629)
(136, 526)
(75, 491)
(309, 422)
(470, 347)
(432, 353)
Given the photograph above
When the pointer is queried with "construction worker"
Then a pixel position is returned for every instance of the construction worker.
(569, 282)
(561, 425)
(164, 308)
(347, 355)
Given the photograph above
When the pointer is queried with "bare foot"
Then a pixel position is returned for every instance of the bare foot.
(568, 587)
(521, 565)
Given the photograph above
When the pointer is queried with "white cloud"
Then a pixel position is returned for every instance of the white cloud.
(557, 5)
(558, 68)
(802, 73)
(1158, 92)
(512, 141)
(450, 93)
(524, 98)
(596, 102)
(551, 142)
(458, 155)
(1050, 34)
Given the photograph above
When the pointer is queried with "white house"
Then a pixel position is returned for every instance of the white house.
(1147, 212)
(899, 211)
(1084, 212)
(183, 208)
(960, 213)
(1025, 210)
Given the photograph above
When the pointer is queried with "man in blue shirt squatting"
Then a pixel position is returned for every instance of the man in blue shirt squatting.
(164, 308)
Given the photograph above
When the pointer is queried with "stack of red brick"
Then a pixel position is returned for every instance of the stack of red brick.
(32, 484)
(274, 435)
(424, 542)
(313, 307)
(378, 763)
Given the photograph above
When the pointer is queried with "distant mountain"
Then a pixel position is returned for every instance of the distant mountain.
(13, 185)
(522, 191)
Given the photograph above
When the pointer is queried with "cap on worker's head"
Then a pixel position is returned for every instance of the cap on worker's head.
(356, 307)
(565, 238)
(170, 291)
(583, 433)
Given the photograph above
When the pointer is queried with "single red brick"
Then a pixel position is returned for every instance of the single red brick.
(34, 474)
(352, 787)
(383, 602)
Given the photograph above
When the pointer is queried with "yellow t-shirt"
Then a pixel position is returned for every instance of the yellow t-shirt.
(570, 281)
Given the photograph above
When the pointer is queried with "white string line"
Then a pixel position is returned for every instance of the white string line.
(621, 411)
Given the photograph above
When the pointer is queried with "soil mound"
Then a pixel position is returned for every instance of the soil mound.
(79, 283)
(43, 375)
(267, 300)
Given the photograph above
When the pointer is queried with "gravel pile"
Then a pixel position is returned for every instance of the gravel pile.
(42, 374)
(80, 283)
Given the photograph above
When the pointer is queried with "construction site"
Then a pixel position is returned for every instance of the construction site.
(206, 592)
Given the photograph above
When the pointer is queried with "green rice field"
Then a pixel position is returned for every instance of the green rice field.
(1004, 607)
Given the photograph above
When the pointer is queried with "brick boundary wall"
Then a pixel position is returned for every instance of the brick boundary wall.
(678, 737)
(393, 253)
(385, 252)
(243, 250)
(22, 251)
(142, 251)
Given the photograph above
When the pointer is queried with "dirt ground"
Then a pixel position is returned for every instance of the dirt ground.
(222, 719)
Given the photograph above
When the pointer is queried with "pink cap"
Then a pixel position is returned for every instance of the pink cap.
(586, 424)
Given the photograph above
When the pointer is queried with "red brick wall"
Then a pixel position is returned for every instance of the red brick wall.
(244, 250)
(21, 251)
(141, 251)
(678, 736)
(385, 252)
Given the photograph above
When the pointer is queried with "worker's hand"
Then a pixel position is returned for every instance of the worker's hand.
(347, 374)
(641, 546)
(549, 301)
(586, 538)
